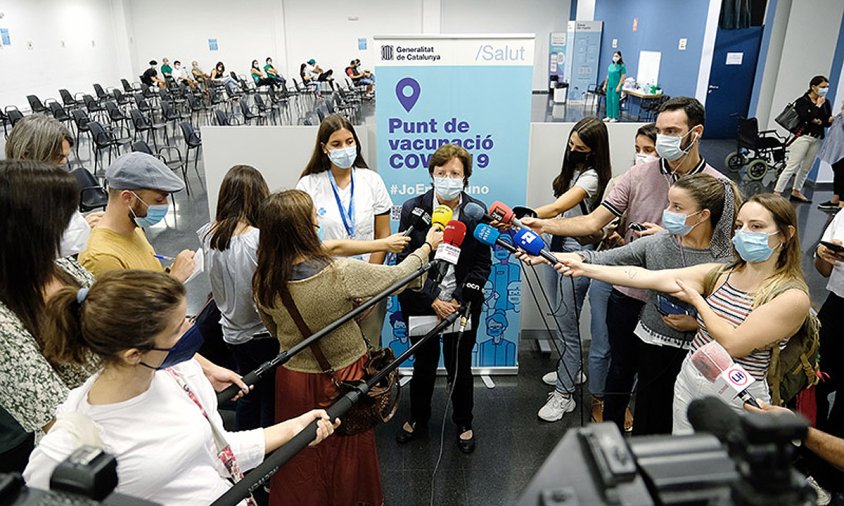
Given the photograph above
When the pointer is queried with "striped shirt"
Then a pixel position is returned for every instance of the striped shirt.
(734, 306)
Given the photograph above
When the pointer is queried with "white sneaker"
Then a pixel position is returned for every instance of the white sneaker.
(606, 120)
(824, 497)
(558, 404)
(550, 379)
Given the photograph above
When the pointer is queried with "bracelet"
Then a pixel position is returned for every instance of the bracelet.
(429, 245)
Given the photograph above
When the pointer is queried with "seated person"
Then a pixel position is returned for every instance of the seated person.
(258, 76)
(360, 77)
(149, 405)
(197, 72)
(181, 75)
(139, 186)
(272, 73)
(150, 76)
(316, 73)
(166, 69)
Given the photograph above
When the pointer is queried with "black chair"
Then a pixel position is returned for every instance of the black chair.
(164, 153)
(60, 113)
(35, 104)
(68, 100)
(123, 100)
(95, 109)
(197, 107)
(81, 120)
(116, 115)
(13, 115)
(102, 96)
(142, 124)
(143, 104)
(91, 194)
(128, 88)
(105, 138)
(248, 114)
(192, 141)
(267, 110)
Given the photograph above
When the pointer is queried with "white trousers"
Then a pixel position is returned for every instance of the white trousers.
(801, 156)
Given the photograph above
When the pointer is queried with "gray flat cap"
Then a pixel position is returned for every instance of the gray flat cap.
(140, 171)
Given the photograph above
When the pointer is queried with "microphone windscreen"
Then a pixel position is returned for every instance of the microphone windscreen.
(713, 415)
(441, 216)
(711, 359)
(454, 233)
(486, 234)
(472, 292)
(501, 212)
(528, 241)
(524, 212)
(473, 212)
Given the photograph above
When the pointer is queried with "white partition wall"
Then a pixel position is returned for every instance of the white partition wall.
(280, 153)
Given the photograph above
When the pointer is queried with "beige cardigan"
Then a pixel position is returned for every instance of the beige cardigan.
(327, 296)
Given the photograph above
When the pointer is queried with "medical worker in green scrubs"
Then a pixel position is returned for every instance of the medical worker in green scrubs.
(616, 73)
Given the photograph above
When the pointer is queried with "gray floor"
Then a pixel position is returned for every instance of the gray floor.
(512, 442)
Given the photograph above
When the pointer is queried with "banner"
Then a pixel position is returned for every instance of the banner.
(557, 56)
(469, 90)
(583, 52)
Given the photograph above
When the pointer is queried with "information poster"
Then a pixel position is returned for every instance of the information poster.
(469, 90)
(557, 56)
(583, 54)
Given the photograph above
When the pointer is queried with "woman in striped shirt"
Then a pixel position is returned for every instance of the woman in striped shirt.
(754, 304)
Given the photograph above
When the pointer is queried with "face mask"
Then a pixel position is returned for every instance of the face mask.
(823, 91)
(643, 158)
(615, 59)
(448, 188)
(578, 157)
(155, 213)
(320, 233)
(668, 146)
(184, 349)
(343, 158)
(753, 246)
(75, 236)
(675, 223)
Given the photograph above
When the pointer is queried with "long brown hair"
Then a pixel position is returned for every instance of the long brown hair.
(319, 161)
(241, 194)
(287, 236)
(593, 132)
(124, 309)
(788, 267)
(37, 201)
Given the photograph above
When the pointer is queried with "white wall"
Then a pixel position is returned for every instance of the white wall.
(585, 10)
(540, 17)
(48, 66)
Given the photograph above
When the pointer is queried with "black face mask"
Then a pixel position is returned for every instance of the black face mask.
(578, 157)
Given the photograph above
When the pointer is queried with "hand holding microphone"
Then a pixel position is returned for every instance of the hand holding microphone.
(441, 216)
(731, 380)
(419, 220)
(434, 237)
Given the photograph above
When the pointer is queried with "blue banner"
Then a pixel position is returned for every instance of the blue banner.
(472, 91)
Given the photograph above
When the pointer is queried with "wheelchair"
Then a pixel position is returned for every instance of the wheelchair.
(758, 152)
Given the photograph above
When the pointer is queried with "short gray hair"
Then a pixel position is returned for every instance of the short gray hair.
(39, 138)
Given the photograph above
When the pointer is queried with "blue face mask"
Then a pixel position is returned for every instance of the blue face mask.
(675, 223)
(822, 92)
(343, 158)
(155, 213)
(184, 349)
(753, 247)
(448, 188)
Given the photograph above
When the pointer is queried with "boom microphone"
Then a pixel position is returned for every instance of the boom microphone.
(533, 244)
(449, 251)
(489, 236)
(441, 216)
(717, 366)
(419, 219)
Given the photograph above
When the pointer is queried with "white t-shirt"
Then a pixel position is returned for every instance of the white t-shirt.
(588, 181)
(371, 199)
(835, 230)
(311, 70)
(164, 446)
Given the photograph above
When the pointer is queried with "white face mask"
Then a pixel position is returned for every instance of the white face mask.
(75, 236)
(448, 188)
(615, 59)
(643, 158)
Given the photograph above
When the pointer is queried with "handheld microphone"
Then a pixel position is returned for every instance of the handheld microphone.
(522, 211)
(501, 212)
(418, 219)
(533, 244)
(449, 251)
(471, 292)
(441, 216)
(488, 235)
(731, 379)
(475, 213)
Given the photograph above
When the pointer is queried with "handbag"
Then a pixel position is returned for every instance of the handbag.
(381, 401)
(788, 118)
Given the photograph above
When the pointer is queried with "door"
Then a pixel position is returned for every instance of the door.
(731, 80)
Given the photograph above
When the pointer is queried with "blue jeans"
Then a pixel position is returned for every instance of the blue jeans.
(567, 296)
(599, 350)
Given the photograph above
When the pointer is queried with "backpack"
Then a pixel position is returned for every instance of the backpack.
(794, 367)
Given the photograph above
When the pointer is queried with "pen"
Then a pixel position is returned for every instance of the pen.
(162, 257)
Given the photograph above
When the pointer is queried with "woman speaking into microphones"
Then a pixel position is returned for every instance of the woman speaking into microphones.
(450, 168)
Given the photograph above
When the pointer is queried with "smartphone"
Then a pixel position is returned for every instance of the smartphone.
(638, 227)
(669, 306)
(837, 248)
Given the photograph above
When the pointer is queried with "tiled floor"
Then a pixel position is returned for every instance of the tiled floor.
(512, 442)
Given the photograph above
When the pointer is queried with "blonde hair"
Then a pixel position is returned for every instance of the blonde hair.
(37, 137)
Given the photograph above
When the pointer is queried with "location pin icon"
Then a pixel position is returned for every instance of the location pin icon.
(407, 101)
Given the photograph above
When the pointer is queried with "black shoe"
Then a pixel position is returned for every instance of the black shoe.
(828, 206)
(466, 445)
(403, 436)
(795, 198)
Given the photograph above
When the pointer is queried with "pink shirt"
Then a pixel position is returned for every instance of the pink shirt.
(642, 192)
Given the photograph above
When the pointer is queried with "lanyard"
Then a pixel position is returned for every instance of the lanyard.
(348, 216)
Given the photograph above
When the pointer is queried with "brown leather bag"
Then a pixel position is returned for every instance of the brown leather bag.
(382, 400)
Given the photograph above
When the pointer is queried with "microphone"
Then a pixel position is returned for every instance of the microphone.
(717, 366)
(418, 219)
(533, 244)
(471, 292)
(441, 216)
(490, 236)
(501, 212)
(449, 251)
(714, 416)
(475, 213)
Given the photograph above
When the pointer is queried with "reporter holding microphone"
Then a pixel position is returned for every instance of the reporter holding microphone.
(450, 168)
(296, 284)
(750, 306)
